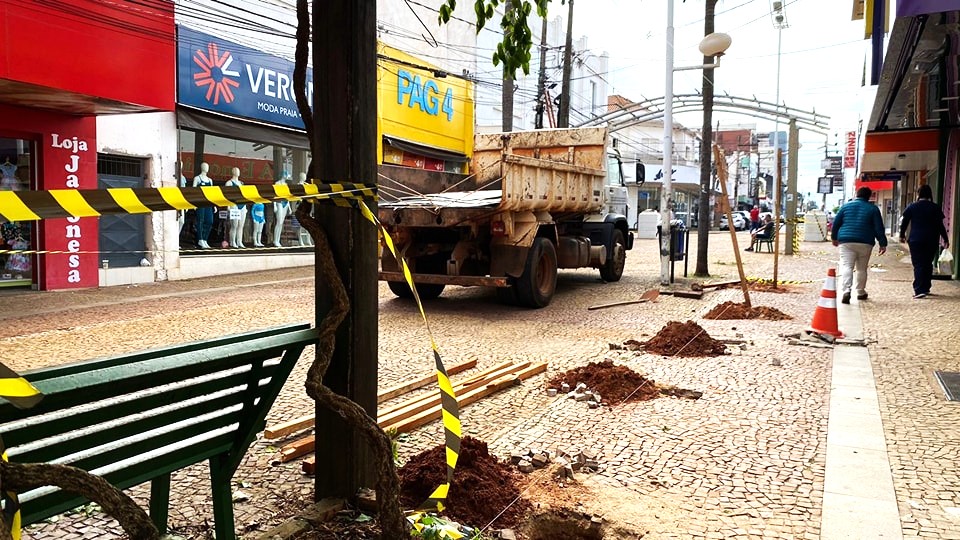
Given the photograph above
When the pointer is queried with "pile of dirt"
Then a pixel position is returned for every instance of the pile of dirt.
(684, 339)
(734, 310)
(614, 383)
(763, 285)
(482, 487)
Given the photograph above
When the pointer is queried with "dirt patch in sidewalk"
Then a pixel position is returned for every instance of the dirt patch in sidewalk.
(734, 310)
(614, 383)
(684, 339)
(482, 487)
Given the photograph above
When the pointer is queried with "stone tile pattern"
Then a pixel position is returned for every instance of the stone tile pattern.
(745, 461)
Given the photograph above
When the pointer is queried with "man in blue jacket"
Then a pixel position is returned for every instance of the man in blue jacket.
(856, 228)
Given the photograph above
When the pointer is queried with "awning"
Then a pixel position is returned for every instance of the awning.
(916, 150)
(425, 151)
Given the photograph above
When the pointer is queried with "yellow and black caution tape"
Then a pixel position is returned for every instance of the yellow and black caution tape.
(22, 395)
(450, 409)
(63, 203)
(37, 205)
(762, 281)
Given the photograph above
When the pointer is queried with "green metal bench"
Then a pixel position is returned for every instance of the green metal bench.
(141, 416)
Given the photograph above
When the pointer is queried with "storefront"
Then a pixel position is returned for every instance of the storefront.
(50, 98)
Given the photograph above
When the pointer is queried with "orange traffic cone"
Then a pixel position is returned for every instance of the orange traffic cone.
(825, 317)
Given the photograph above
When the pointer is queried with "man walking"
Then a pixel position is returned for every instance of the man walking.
(754, 218)
(856, 228)
(925, 219)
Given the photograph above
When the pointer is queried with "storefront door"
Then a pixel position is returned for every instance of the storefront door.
(17, 174)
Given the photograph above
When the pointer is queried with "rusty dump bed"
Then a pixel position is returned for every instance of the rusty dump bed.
(554, 170)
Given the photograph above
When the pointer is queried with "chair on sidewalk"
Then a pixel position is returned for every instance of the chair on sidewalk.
(767, 241)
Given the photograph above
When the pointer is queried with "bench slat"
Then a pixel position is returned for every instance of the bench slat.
(85, 366)
(41, 428)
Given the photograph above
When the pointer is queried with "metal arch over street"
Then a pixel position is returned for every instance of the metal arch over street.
(652, 109)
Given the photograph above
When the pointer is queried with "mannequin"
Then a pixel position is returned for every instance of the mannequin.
(304, 235)
(280, 211)
(181, 214)
(204, 215)
(8, 177)
(259, 218)
(236, 222)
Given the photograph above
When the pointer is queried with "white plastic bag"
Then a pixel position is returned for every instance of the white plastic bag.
(945, 262)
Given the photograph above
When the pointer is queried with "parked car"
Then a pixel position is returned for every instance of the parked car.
(738, 222)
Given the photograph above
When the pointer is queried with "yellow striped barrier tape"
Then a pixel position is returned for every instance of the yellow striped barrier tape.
(23, 395)
(450, 409)
(62, 203)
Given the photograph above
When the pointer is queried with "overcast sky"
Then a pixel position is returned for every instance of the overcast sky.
(822, 59)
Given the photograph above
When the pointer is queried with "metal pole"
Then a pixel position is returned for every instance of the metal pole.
(793, 149)
(666, 194)
(776, 130)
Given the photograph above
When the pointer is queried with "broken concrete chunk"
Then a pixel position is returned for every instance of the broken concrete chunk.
(593, 404)
(580, 397)
(508, 534)
(515, 459)
(525, 466)
(551, 392)
(539, 461)
(592, 463)
(564, 387)
(588, 455)
(581, 386)
(576, 465)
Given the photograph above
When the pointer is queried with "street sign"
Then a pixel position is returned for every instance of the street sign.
(837, 181)
(824, 184)
(832, 162)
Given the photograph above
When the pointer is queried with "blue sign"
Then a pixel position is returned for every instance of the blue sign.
(224, 77)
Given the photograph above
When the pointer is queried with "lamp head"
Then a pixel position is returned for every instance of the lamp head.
(715, 44)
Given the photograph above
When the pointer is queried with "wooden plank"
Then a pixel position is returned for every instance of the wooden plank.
(297, 448)
(491, 387)
(392, 416)
(722, 175)
(309, 465)
(286, 428)
(404, 387)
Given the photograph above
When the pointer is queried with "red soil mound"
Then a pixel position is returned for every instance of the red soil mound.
(684, 339)
(615, 384)
(482, 487)
(734, 310)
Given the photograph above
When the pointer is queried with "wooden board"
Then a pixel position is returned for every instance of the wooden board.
(404, 387)
(491, 387)
(297, 448)
(305, 422)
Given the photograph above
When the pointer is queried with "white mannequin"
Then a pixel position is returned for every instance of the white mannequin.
(303, 235)
(181, 214)
(8, 179)
(280, 211)
(204, 215)
(236, 225)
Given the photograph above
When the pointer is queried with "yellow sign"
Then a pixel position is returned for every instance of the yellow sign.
(419, 103)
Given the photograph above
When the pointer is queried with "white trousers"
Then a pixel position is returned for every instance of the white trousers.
(853, 255)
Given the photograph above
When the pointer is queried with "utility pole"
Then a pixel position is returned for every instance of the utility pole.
(793, 147)
(736, 185)
(542, 81)
(345, 147)
(563, 113)
(703, 222)
(506, 98)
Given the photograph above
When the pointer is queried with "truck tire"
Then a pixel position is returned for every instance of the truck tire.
(535, 287)
(612, 270)
(427, 291)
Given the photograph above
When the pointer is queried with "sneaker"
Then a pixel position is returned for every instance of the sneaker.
(846, 298)
(920, 295)
(862, 296)
(749, 249)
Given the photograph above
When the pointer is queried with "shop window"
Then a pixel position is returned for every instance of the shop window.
(122, 236)
(16, 174)
(253, 163)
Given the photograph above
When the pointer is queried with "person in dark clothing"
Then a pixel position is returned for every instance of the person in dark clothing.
(857, 227)
(763, 232)
(925, 219)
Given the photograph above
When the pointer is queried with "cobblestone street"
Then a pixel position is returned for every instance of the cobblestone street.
(747, 460)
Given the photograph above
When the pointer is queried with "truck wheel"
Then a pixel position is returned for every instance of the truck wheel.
(535, 287)
(612, 270)
(427, 291)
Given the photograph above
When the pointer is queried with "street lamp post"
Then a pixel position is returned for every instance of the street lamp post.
(713, 45)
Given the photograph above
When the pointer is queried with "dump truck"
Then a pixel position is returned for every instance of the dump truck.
(532, 203)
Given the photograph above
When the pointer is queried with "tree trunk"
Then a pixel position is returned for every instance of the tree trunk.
(706, 153)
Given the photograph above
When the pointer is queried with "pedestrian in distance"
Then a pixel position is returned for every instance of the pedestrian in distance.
(857, 227)
(763, 232)
(925, 219)
(754, 218)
